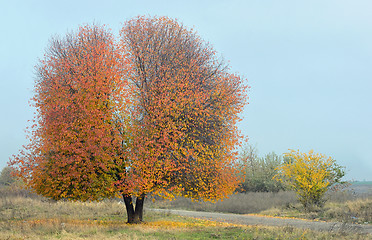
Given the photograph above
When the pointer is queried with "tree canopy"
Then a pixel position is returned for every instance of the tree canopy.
(187, 103)
(310, 175)
(78, 142)
(153, 113)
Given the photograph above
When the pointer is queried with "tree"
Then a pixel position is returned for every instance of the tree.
(259, 171)
(6, 178)
(154, 114)
(78, 142)
(184, 118)
(310, 175)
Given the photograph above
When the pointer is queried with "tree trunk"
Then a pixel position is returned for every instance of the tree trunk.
(135, 214)
(129, 206)
(139, 207)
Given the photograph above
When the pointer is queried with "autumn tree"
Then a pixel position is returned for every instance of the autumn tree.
(155, 114)
(184, 118)
(310, 175)
(78, 141)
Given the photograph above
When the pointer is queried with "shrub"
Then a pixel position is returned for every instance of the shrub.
(6, 178)
(310, 175)
(259, 171)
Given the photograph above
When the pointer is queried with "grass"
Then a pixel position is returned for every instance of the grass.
(348, 206)
(24, 217)
(355, 211)
(353, 205)
(242, 203)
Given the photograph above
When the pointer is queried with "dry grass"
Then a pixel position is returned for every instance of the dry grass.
(243, 203)
(357, 211)
(347, 210)
(20, 208)
(350, 205)
(23, 217)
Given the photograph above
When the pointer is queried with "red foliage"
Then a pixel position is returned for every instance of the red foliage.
(184, 130)
(155, 114)
(81, 96)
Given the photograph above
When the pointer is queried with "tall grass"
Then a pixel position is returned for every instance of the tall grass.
(344, 206)
(356, 211)
(20, 208)
(32, 217)
(243, 203)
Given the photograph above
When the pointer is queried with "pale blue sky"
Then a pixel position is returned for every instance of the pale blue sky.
(308, 64)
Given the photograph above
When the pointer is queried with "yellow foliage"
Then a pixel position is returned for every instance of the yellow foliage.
(309, 175)
(166, 224)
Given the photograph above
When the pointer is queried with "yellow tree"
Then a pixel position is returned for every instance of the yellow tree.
(310, 175)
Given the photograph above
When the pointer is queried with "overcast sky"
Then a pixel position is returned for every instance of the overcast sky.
(309, 65)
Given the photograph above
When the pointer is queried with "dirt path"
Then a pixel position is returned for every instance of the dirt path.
(273, 221)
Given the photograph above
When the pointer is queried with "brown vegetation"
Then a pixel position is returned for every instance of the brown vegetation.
(343, 206)
(24, 216)
(242, 203)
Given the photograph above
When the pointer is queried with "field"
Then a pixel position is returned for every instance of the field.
(353, 205)
(25, 216)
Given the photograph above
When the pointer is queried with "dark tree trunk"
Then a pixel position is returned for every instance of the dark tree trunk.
(134, 213)
(129, 206)
(139, 207)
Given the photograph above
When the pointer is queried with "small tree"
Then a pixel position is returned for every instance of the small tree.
(310, 175)
(259, 171)
(6, 177)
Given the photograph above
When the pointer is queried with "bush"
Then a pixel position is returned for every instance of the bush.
(6, 178)
(310, 175)
(12, 186)
(259, 171)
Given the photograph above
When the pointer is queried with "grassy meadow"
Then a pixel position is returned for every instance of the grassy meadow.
(26, 216)
(353, 205)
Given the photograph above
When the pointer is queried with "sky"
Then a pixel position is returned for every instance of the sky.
(308, 63)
